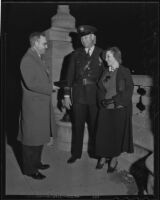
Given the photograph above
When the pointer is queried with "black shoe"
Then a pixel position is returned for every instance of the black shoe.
(99, 164)
(72, 159)
(37, 176)
(44, 166)
(110, 168)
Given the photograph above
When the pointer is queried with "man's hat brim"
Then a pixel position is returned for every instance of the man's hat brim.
(86, 30)
(86, 33)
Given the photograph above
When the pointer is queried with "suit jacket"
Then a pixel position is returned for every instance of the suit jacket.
(36, 101)
(83, 66)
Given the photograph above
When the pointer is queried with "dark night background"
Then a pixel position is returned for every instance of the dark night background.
(133, 27)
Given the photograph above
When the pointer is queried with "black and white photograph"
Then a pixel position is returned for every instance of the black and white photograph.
(80, 100)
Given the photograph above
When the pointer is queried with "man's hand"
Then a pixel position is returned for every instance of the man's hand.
(67, 102)
(55, 87)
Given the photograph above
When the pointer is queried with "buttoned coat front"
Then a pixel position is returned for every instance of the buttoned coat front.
(83, 66)
(35, 124)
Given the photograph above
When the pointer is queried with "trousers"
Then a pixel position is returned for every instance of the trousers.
(83, 113)
(31, 158)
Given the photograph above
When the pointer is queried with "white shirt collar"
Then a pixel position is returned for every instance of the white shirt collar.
(90, 50)
(111, 69)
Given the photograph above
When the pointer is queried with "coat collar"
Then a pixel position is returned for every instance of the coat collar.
(90, 50)
(38, 59)
(34, 53)
(83, 51)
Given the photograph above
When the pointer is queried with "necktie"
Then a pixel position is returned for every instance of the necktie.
(89, 52)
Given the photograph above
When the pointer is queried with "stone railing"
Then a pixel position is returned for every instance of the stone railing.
(141, 120)
(142, 124)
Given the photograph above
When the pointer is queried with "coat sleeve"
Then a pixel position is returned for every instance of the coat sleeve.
(125, 89)
(70, 75)
(33, 79)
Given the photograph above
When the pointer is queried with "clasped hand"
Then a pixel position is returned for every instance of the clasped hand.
(55, 87)
(67, 102)
(106, 102)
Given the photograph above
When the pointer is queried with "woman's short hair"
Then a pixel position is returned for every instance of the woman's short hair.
(116, 53)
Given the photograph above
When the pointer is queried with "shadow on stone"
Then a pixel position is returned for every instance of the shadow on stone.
(139, 171)
(12, 110)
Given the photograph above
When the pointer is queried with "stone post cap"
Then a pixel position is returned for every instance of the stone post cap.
(63, 18)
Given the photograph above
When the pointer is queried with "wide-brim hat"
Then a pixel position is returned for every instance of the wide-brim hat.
(86, 29)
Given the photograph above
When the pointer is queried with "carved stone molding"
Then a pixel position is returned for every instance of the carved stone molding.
(63, 18)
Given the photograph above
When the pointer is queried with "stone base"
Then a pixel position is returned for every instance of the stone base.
(64, 136)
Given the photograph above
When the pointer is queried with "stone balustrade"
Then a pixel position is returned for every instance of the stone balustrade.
(142, 122)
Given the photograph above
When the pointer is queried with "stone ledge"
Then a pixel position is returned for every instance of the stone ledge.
(143, 138)
(142, 121)
(142, 80)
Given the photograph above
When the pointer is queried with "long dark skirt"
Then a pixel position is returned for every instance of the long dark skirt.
(110, 135)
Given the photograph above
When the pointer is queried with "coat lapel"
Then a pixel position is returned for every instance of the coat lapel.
(91, 58)
(94, 51)
(120, 84)
(39, 60)
(102, 78)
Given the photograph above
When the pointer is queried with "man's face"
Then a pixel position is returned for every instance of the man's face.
(41, 44)
(88, 40)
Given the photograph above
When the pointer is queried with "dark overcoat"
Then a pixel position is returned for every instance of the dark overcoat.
(123, 97)
(83, 66)
(35, 124)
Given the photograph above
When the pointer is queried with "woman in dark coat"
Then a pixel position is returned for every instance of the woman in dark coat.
(114, 128)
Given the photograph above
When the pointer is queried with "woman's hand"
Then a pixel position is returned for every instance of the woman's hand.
(106, 102)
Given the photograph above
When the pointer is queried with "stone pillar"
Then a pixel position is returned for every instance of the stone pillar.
(59, 42)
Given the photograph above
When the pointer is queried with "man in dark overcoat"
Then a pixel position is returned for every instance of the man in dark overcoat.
(35, 117)
(83, 74)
